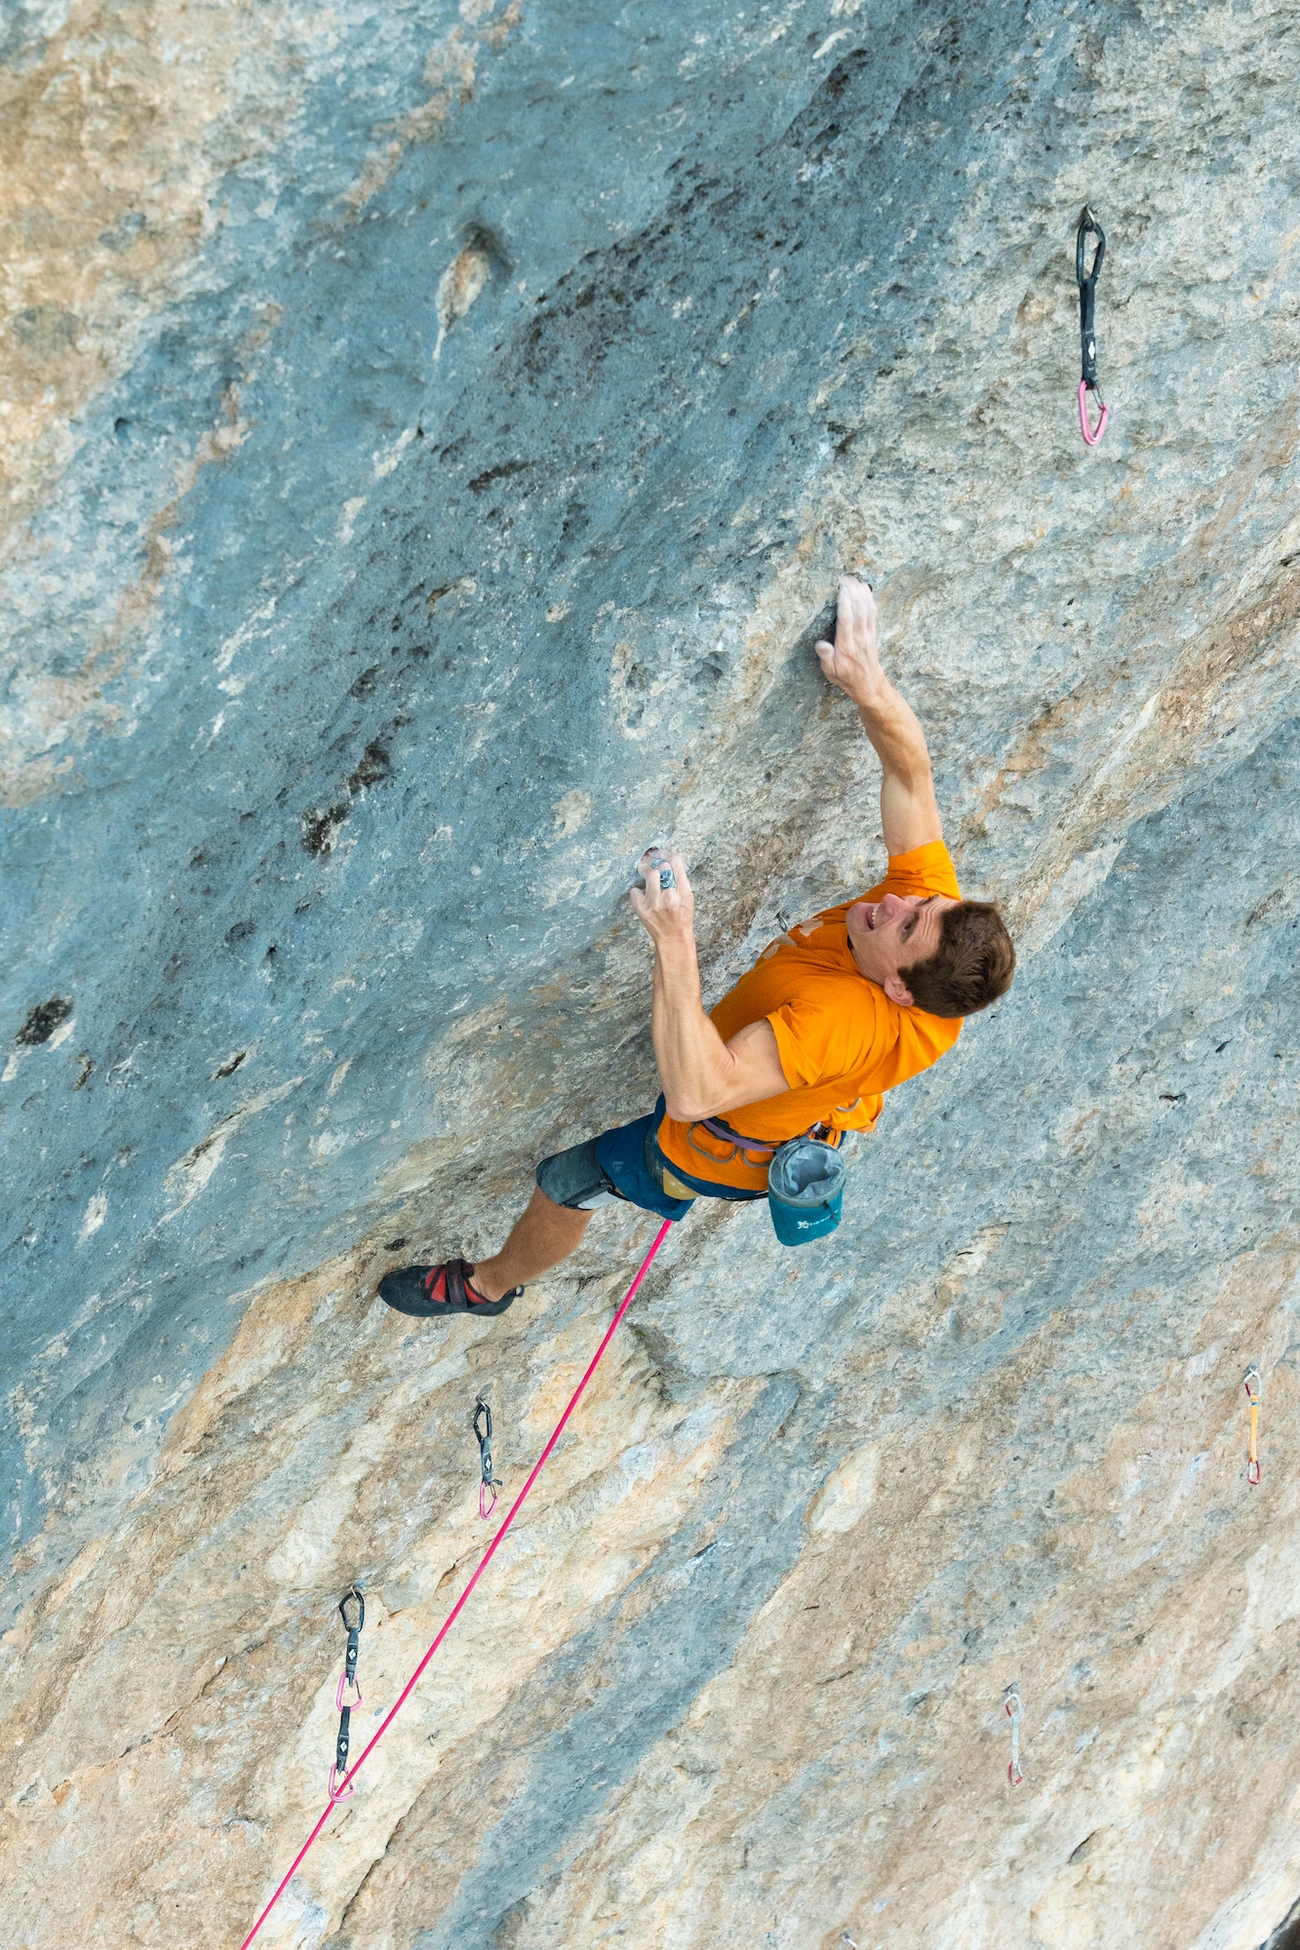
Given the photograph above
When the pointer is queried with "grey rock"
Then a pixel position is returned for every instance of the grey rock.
(463, 418)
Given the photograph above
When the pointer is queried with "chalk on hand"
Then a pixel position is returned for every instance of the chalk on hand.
(667, 878)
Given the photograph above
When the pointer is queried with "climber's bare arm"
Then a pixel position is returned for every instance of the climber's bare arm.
(909, 813)
(701, 1075)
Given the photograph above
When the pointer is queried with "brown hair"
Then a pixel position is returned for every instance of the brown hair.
(971, 967)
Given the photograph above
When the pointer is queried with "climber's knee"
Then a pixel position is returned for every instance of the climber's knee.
(573, 1178)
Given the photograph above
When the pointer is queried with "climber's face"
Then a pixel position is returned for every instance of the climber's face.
(894, 933)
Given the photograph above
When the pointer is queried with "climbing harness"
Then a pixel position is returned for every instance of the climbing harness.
(460, 1603)
(488, 1485)
(1253, 1396)
(741, 1147)
(1087, 331)
(340, 1788)
(805, 1175)
(1015, 1713)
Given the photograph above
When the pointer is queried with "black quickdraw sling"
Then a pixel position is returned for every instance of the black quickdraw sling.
(1087, 330)
(488, 1484)
(340, 1788)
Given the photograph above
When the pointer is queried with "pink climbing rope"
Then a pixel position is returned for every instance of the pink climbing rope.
(345, 1785)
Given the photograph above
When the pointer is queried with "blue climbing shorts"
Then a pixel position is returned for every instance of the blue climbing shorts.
(622, 1164)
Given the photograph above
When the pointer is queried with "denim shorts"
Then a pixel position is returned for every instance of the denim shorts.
(624, 1163)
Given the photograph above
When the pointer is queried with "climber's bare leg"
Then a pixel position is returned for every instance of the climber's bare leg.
(543, 1235)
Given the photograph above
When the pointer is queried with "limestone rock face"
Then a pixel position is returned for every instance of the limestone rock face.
(432, 436)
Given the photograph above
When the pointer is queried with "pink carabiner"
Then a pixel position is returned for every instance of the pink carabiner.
(1091, 438)
(339, 1791)
(352, 1704)
(1014, 1776)
(485, 1508)
(1253, 1472)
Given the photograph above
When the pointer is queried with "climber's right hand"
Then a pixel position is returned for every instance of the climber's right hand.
(666, 913)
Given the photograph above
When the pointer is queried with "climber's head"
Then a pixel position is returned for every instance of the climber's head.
(948, 957)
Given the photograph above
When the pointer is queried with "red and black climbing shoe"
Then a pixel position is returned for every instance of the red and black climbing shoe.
(429, 1291)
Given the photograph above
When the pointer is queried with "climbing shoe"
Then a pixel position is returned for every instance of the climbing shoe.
(428, 1291)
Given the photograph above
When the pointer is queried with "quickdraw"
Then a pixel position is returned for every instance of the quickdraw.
(1254, 1396)
(340, 1787)
(1015, 1713)
(488, 1484)
(1087, 332)
(468, 1592)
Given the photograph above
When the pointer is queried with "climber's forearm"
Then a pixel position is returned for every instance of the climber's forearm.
(909, 814)
(703, 1076)
(695, 1066)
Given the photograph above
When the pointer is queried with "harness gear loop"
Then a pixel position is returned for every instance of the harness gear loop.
(489, 1485)
(1087, 281)
(467, 1593)
(741, 1146)
(1015, 1713)
(1254, 1397)
(339, 1787)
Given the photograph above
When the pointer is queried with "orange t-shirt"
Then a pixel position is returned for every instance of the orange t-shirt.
(842, 1042)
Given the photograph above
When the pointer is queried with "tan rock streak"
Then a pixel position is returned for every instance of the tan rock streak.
(112, 145)
(849, 1773)
(130, 1745)
(112, 149)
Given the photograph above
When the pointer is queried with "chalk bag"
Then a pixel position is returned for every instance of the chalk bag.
(805, 1190)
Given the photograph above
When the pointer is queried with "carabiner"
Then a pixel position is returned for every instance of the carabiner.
(1091, 435)
(354, 1641)
(1087, 281)
(488, 1484)
(340, 1787)
(1253, 1396)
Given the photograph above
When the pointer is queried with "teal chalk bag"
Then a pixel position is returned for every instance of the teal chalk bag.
(805, 1190)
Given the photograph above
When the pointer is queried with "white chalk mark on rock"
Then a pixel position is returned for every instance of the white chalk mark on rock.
(385, 462)
(572, 811)
(347, 520)
(188, 1176)
(1079, 880)
(847, 1493)
(244, 634)
(96, 1213)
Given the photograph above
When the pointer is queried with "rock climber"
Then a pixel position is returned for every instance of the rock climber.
(834, 1013)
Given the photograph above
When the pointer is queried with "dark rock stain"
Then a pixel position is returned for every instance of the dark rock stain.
(320, 828)
(42, 1022)
(502, 473)
(375, 765)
